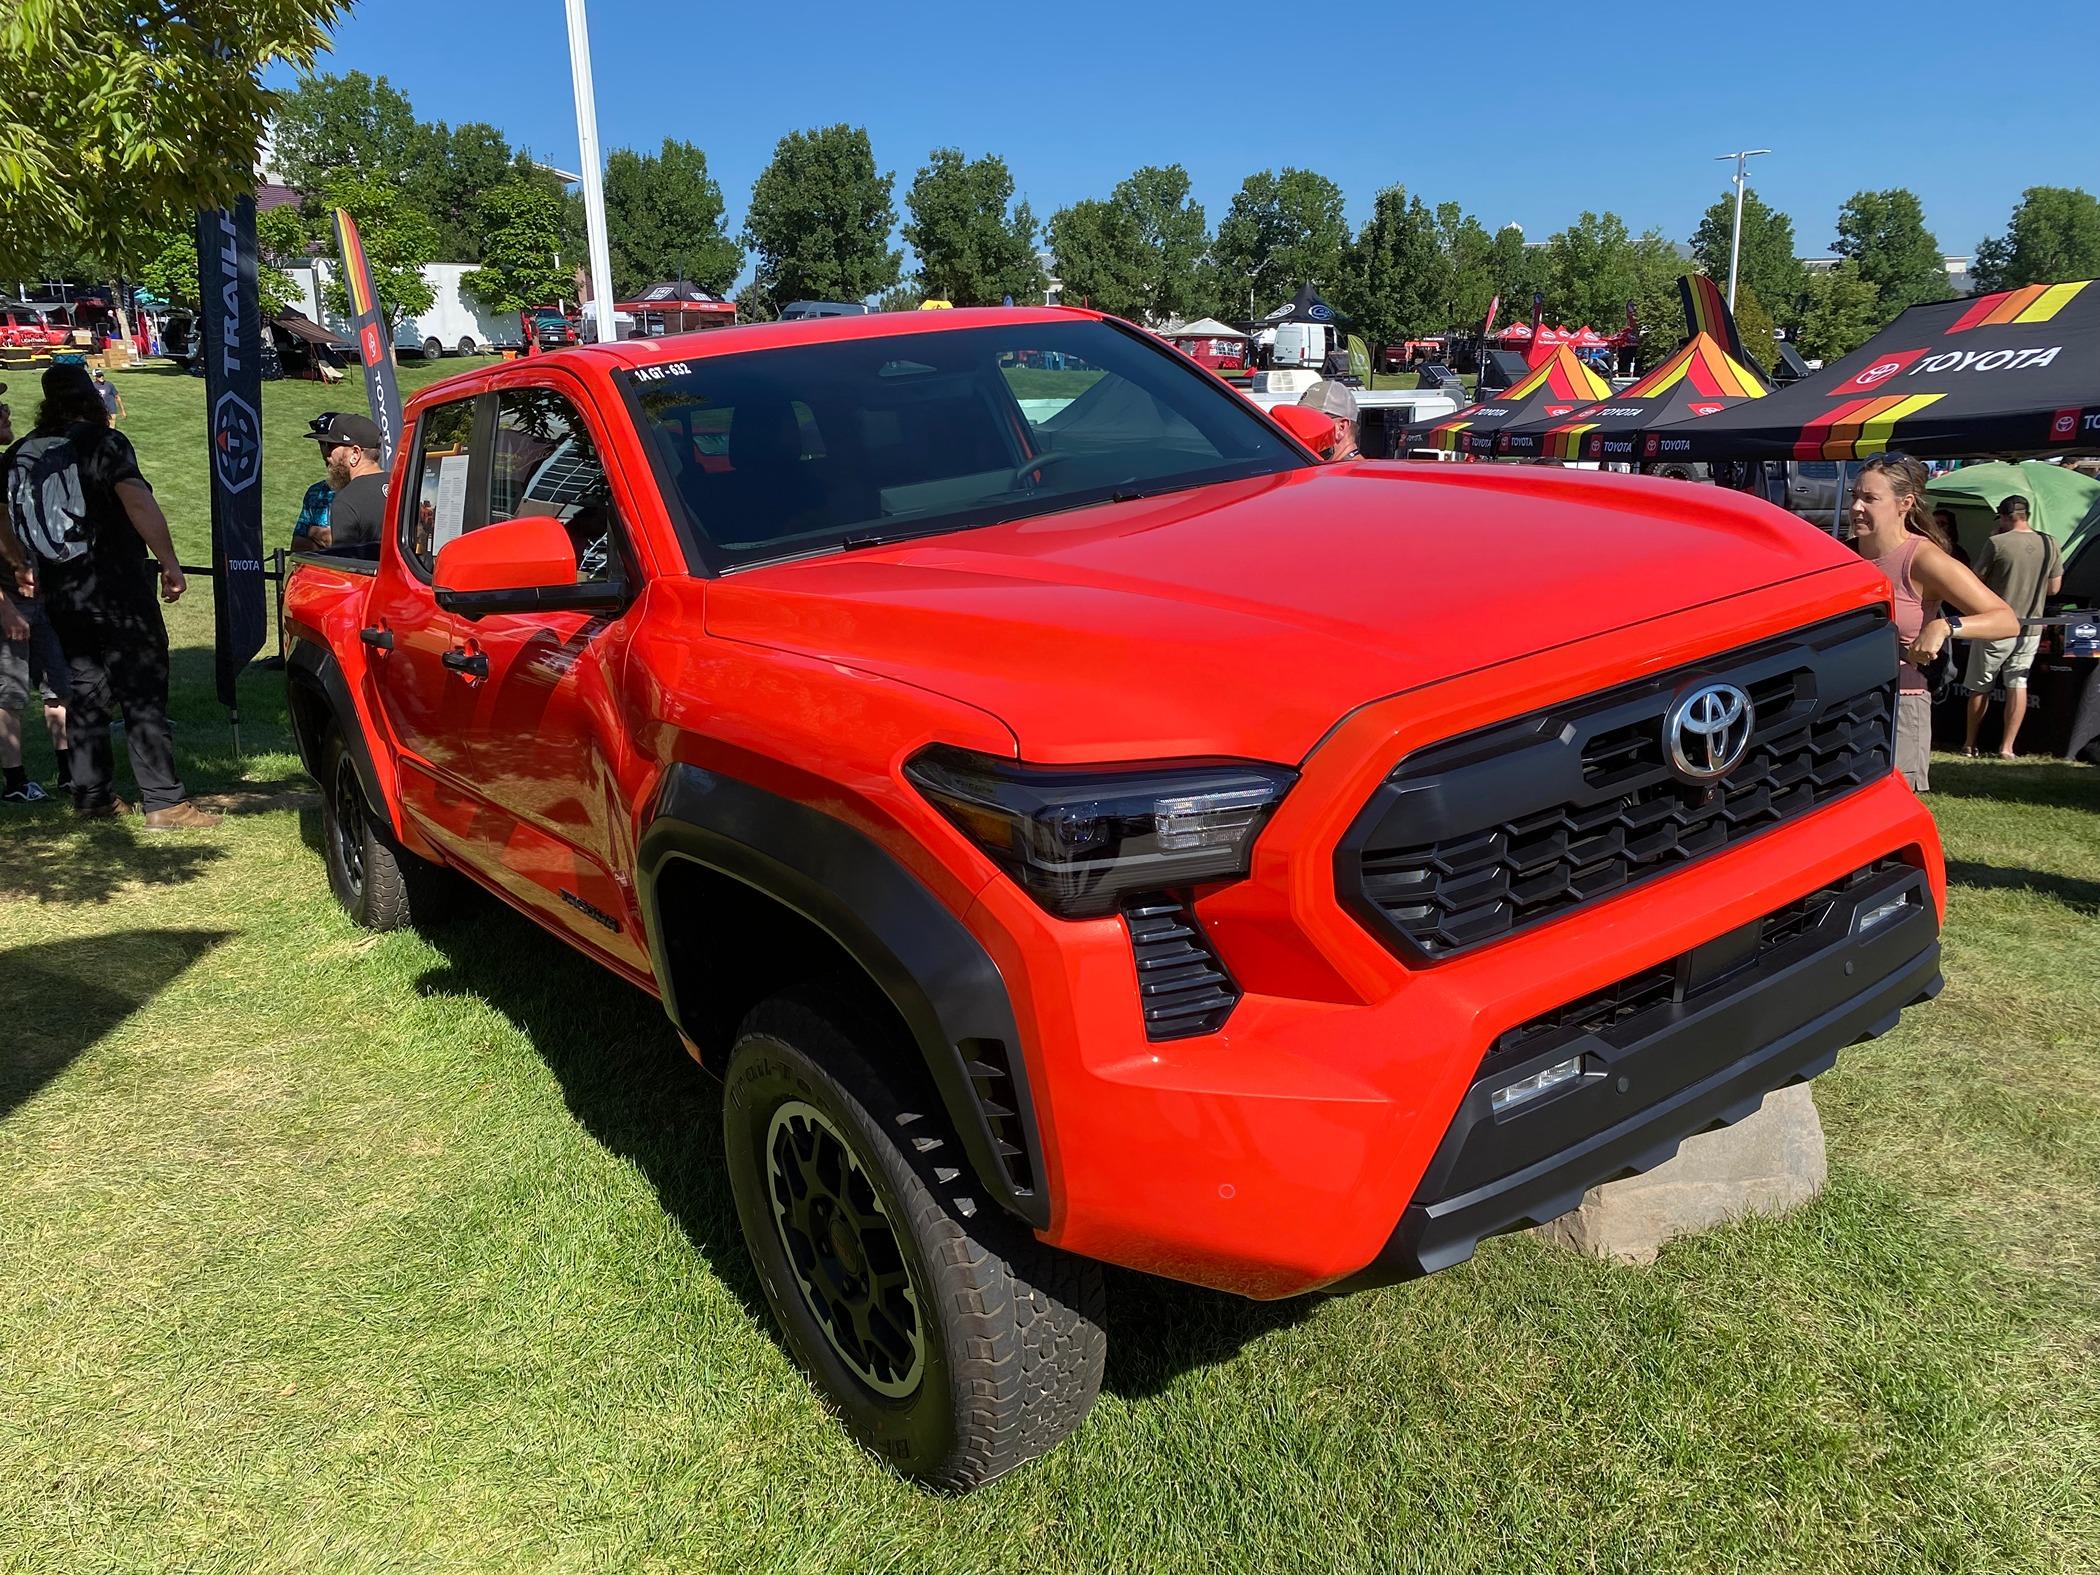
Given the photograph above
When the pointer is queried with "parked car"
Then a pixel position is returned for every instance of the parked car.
(1090, 830)
(1812, 490)
(796, 311)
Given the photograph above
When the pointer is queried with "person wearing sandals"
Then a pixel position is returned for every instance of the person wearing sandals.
(1937, 599)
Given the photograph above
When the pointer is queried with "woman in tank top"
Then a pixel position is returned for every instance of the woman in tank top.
(1937, 599)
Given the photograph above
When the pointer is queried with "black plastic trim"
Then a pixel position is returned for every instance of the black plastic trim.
(589, 596)
(1781, 1021)
(942, 982)
(312, 665)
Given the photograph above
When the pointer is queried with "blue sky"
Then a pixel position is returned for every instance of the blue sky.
(1933, 95)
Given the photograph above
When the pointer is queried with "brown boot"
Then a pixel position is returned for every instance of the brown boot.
(112, 809)
(180, 817)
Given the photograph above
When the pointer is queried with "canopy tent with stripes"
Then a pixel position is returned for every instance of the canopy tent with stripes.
(1557, 387)
(1701, 379)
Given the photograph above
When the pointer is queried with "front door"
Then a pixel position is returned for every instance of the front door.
(547, 729)
(427, 707)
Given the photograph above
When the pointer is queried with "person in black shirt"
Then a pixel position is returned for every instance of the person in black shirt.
(101, 606)
(350, 450)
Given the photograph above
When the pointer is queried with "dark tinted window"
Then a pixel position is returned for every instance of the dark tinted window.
(809, 448)
(544, 462)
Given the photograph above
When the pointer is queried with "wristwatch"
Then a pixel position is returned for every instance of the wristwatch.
(1953, 625)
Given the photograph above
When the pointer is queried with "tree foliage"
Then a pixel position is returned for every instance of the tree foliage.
(1467, 275)
(1840, 311)
(520, 262)
(458, 170)
(1395, 285)
(1172, 239)
(398, 239)
(167, 261)
(1769, 266)
(1100, 257)
(123, 120)
(1282, 231)
(2054, 236)
(972, 250)
(1884, 233)
(820, 219)
(330, 127)
(1518, 270)
(663, 220)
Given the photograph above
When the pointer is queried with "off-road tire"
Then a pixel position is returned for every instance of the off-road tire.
(381, 885)
(1012, 1340)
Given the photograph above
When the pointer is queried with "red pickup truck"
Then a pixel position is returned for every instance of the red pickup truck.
(1081, 828)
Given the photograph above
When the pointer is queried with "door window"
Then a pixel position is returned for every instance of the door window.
(437, 511)
(544, 462)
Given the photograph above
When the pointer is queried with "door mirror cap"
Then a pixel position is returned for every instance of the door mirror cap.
(1313, 428)
(522, 565)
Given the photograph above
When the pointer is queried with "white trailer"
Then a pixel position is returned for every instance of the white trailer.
(456, 324)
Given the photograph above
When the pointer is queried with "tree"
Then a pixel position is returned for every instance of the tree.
(1768, 264)
(1172, 237)
(663, 218)
(521, 264)
(1467, 251)
(2054, 236)
(329, 127)
(96, 148)
(971, 250)
(1517, 269)
(1884, 233)
(820, 219)
(398, 240)
(903, 297)
(1593, 268)
(459, 168)
(1100, 255)
(166, 261)
(1395, 283)
(1840, 311)
(1281, 231)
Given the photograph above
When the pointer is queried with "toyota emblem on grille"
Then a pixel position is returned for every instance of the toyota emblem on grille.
(1708, 732)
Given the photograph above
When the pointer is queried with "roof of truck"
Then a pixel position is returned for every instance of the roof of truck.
(629, 353)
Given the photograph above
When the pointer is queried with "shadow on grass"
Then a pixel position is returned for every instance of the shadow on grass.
(627, 1078)
(57, 998)
(56, 858)
(2079, 895)
(2057, 785)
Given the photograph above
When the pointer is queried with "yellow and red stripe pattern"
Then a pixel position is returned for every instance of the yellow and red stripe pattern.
(1706, 312)
(1711, 371)
(357, 274)
(1859, 428)
(2033, 303)
(1562, 376)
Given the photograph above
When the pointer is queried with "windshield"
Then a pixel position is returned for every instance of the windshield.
(812, 448)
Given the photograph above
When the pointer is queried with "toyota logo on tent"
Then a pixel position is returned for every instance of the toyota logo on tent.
(1707, 732)
(236, 442)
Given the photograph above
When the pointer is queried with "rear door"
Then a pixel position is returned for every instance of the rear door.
(548, 728)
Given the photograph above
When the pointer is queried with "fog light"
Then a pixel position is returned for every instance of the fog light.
(1882, 912)
(1529, 1088)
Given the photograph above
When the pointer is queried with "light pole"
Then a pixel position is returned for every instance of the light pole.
(593, 174)
(1735, 243)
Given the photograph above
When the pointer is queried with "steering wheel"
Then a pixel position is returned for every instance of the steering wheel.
(1030, 467)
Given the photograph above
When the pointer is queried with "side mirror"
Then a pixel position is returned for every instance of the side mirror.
(526, 564)
(1313, 428)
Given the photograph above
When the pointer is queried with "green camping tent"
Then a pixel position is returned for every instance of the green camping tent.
(2060, 501)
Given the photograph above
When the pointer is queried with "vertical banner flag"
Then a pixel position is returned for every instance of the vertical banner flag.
(375, 347)
(1487, 329)
(1538, 314)
(1706, 312)
(232, 327)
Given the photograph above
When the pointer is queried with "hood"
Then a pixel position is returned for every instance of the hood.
(1245, 619)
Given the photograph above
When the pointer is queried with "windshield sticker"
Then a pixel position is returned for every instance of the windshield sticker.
(658, 374)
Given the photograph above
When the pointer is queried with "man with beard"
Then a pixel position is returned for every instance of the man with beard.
(350, 450)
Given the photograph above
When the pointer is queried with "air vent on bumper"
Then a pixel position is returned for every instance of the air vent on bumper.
(1183, 986)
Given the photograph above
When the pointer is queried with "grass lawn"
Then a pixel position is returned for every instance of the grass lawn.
(320, 1250)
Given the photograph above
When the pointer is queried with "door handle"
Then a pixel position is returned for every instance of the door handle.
(461, 660)
(377, 639)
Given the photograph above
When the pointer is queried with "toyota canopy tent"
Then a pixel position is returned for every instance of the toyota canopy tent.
(2013, 373)
(1556, 388)
(1700, 380)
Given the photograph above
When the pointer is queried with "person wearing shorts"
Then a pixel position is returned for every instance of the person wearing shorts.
(33, 662)
(2025, 567)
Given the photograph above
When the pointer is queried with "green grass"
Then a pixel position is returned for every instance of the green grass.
(320, 1250)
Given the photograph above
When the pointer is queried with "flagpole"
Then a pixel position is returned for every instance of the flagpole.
(593, 175)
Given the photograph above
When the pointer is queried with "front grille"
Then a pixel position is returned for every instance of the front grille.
(1182, 986)
(1484, 835)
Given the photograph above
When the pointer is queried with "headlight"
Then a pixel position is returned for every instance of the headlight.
(1077, 840)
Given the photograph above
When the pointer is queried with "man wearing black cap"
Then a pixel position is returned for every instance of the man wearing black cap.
(350, 450)
(103, 610)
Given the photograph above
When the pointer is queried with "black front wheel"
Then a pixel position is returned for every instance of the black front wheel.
(954, 1345)
(380, 884)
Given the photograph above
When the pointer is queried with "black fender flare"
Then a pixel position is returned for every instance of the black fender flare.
(313, 666)
(942, 982)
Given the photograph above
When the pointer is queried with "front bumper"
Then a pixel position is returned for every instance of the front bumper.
(1736, 1023)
